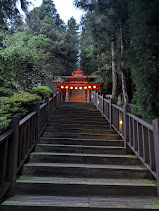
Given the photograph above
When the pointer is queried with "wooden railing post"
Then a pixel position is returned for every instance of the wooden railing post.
(112, 101)
(126, 110)
(37, 109)
(59, 97)
(47, 109)
(97, 100)
(91, 96)
(102, 104)
(156, 145)
(13, 159)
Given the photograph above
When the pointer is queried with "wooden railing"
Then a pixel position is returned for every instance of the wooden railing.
(17, 143)
(141, 137)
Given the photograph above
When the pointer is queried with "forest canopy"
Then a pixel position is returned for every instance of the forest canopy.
(119, 43)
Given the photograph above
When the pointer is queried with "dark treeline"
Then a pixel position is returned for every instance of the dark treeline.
(120, 43)
(41, 46)
(31, 50)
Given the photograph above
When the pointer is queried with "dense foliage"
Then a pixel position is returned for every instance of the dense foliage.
(31, 51)
(42, 91)
(63, 51)
(22, 57)
(9, 12)
(120, 41)
(15, 104)
(4, 123)
(18, 104)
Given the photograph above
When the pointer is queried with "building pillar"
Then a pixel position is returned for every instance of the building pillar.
(67, 95)
(88, 95)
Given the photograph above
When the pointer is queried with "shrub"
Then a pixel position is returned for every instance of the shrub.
(19, 104)
(4, 123)
(6, 92)
(42, 91)
(136, 110)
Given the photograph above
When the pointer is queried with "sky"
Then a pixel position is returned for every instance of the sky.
(65, 8)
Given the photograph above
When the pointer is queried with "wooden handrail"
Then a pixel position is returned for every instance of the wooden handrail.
(138, 135)
(20, 139)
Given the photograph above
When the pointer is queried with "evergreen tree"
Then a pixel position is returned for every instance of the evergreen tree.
(9, 11)
(72, 40)
(143, 55)
(64, 48)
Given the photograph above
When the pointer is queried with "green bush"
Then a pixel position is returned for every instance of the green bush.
(136, 110)
(42, 91)
(18, 105)
(4, 123)
(6, 92)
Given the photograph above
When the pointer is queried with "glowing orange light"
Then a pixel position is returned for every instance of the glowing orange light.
(121, 122)
(94, 87)
(71, 87)
(80, 88)
(85, 87)
(76, 88)
(62, 87)
(98, 102)
(66, 87)
(89, 87)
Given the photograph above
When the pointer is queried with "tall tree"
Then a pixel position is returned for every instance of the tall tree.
(64, 48)
(72, 41)
(86, 48)
(9, 11)
(22, 57)
(143, 55)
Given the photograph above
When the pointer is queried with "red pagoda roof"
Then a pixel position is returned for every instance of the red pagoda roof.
(78, 72)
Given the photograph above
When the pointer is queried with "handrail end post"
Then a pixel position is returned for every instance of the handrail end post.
(13, 159)
(156, 146)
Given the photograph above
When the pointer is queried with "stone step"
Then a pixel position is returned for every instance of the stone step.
(107, 136)
(79, 149)
(50, 157)
(77, 130)
(80, 121)
(67, 203)
(63, 203)
(78, 141)
(85, 170)
(77, 115)
(77, 125)
(85, 186)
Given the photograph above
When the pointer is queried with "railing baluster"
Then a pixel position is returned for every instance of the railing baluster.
(135, 136)
(151, 150)
(136, 133)
(13, 152)
(140, 139)
(146, 145)
(4, 160)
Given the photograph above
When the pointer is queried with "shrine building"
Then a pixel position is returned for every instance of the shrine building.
(78, 86)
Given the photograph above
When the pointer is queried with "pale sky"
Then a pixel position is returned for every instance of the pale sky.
(65, 8)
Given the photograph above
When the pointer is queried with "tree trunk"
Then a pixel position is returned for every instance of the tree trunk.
(114, 73)
(123, 73)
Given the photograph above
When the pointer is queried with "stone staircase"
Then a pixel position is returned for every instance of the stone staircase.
(78, 96)
(80, 164)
